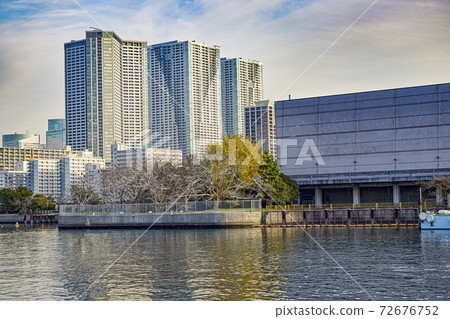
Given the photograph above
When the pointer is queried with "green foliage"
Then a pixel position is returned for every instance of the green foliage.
(281, 188)
(269, 168)
(20, 200)
(41, 202)
(24, 197)
(286, 190)
(9, 203)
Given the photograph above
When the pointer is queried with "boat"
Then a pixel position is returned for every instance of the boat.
(430, 220)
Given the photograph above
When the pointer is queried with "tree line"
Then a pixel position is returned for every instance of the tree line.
(21, 200)
(233, 169)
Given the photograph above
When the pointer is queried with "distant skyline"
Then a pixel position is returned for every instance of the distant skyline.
(395, 44)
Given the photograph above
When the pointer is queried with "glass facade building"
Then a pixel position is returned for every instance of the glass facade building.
(56, 134)
(21, 140)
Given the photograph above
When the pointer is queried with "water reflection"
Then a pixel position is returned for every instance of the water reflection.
(223, 264)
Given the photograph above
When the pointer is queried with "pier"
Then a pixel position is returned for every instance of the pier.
(341, 217)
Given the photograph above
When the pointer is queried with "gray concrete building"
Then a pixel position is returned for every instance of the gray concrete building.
(367, 147)
(260, 125)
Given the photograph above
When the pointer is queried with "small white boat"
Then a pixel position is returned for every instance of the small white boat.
(429, 220)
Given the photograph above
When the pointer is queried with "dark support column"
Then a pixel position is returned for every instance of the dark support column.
(396, 215)
(263, 217)
(349, 217)
(326, 217)
(283, 218)
(372, 216)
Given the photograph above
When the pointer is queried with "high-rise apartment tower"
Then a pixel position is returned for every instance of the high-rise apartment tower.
(242, 86)
(184, 96)
(106, 92)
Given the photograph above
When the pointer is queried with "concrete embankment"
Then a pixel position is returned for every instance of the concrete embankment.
(12, 218)
(239, 218)
(16, 218)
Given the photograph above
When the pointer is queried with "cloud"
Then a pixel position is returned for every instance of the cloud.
(396, 44)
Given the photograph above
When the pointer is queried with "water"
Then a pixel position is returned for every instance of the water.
(224, 264)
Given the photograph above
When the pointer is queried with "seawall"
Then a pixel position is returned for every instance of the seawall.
(16, 218)
(240, 218)
(12, 218)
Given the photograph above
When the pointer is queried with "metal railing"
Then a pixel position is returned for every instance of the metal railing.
(159, 208)
(425, 205)
(361, 216)
(45, 212)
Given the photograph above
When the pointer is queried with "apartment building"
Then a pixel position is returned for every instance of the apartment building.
(106, 92)
(242, 86)
(260, 125)
(184, 96)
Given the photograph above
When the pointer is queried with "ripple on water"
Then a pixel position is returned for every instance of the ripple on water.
(223, 264)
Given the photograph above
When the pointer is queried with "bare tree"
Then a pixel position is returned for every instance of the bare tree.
(83, 193)
(223, 182)
(439, 186)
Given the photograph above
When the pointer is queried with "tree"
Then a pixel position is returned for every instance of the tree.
(24, 197)
(279, 187)
(438, 186)
(9, 203)
(41, 202)
(232, 166)
(51, 203)
(286, 190)
(190, 176)
(84, 194)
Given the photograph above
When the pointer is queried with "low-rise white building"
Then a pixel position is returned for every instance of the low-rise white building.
(144, 158)
(14, 179)
(9, 157)
(44, 177)
(55, 176)
(73, 169)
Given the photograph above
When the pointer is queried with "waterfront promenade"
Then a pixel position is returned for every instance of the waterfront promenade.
(237, 213)
(245, 213)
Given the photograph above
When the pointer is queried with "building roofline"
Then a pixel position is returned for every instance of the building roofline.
(178, 42)
(361, 92)
(240, 58)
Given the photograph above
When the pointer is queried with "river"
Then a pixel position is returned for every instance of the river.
(224, 264)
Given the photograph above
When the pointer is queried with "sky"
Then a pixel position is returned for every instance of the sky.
(306, 46)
